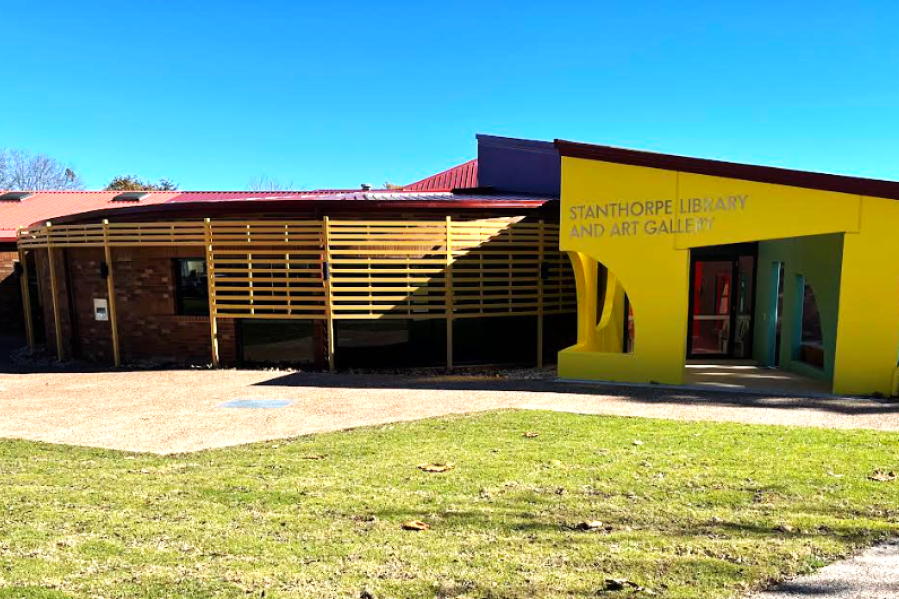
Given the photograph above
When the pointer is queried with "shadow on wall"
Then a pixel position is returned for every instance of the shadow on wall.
(11, 319)
(388, 285)
(389, 296)
(8, 345)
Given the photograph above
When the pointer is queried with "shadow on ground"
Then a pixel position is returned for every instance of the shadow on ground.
(645, 395)
(484, 381)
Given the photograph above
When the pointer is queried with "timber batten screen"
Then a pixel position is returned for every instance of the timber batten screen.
(344, 269)
(267, 269)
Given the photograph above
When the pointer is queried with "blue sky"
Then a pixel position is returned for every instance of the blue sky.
(334, 94)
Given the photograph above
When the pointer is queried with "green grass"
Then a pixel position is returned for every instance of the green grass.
(697, 510)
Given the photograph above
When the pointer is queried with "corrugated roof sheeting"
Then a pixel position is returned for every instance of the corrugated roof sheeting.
(219, 196)
(459, 177)
(47, 205)
(319, 203)
(397, 195)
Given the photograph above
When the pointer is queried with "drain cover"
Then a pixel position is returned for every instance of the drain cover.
(259, 404)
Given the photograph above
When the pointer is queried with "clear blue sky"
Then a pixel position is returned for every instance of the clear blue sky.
(334, 94)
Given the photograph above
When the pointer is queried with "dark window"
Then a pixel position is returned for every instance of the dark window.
(191, 287)
(812, 339)
(495, 340)
(811, 318)
(390, 343)
(277, 342)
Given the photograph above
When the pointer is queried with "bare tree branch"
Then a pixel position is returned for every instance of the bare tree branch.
(266, 183)
(20, 170)
(4, 169)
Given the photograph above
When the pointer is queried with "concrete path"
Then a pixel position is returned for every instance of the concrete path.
(172, 411)
(873, 574)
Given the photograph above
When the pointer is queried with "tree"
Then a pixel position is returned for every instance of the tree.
(134, 183)
(266, 183)
(20, 170)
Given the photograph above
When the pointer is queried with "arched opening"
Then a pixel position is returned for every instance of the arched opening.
(606, 316)
(615, 320)
(630, 327)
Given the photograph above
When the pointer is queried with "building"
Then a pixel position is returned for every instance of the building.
(779, 275)
(20, 209)
(460, 268)
(681, 258)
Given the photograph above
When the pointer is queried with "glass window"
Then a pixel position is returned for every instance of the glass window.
(277, 342)
(812, 339)
(191, 287)
(390, 343)
(811, 318)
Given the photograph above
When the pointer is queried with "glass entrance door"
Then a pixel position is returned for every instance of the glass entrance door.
(711, 314)
(721, 304)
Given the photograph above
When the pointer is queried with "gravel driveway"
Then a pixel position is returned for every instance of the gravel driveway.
(171, 411)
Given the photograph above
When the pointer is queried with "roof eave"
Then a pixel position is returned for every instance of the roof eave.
(732, 170)
(214, 208)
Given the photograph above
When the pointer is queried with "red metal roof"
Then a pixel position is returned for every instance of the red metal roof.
(47, 205)
(219, 196)
(312, 203)
(459, 177)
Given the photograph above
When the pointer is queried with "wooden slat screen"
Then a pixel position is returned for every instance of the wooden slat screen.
(267, 269)
(120, 235)
(388, 269)
(377, 269)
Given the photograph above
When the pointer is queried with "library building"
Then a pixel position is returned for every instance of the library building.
(616, 265)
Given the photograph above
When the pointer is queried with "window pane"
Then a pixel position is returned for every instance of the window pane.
(812, 347)
(192, 291)
(277, 342)
(389, 343)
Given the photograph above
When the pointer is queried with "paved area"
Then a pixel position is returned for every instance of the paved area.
(745, 375)
(873, 574)
(170, 411)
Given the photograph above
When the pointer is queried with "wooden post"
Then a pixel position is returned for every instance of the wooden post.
(210, 276)
(287, 274)
(57, 319)
(26, 295)
(110, 291)
(329, 296)
(540, 296)
(448, 291)
(250, 270)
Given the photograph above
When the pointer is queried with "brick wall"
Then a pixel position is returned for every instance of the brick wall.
(148, 326)
(12, 323)
(46, 300)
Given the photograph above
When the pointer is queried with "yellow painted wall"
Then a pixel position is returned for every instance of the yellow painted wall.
(652, 272)
(645, 244)
(868, 325)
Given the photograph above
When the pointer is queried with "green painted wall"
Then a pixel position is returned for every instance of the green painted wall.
(818, 260)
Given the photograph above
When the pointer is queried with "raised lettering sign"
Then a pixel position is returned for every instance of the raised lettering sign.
(650, 217)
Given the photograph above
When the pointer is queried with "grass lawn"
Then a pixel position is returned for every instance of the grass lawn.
(696, 510)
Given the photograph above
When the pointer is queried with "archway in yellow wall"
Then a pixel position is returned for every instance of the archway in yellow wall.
(642, 214)
(655, 283)
(606, 316)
